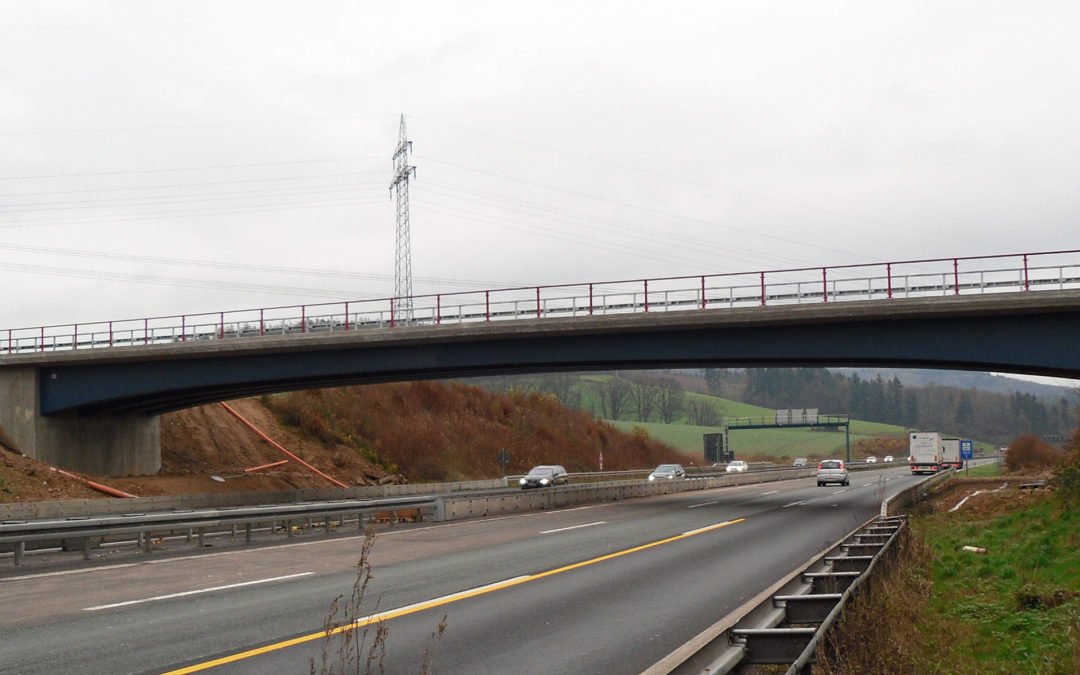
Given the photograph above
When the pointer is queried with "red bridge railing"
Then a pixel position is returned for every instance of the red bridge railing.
(1022, 272)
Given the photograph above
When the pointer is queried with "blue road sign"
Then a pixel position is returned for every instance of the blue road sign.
(967, 450)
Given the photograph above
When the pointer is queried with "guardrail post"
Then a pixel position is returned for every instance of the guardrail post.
(9, 341)
(20, 549)
(42, 338)
(824, 286)
(110, 334)
(183, 328)
(303, 318)
(75, 336)
(262, 323)
(590, 300)
(762, 289)
(703, 291)
(487, 305)
(888, 276)
(346, 316)
(438, 313)
(392, 303)
(956, 276)
(1027, 283)
(537, 302)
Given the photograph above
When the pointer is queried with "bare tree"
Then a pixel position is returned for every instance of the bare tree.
(644, 394)
(614, 395)
(671, 400)
(562, 385)
(703, 412)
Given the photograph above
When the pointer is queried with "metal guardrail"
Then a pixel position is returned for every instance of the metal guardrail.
(868, 281)
(784, 625)
(83, 530)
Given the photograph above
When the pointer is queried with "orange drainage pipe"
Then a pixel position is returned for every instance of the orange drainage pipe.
(281, 447)
(97, 486)
(266, 466)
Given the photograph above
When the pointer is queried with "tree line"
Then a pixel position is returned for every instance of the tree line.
(667, 397)
(991, 416)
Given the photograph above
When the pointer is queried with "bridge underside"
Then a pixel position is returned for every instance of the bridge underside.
(1045, 343)
(1032, 335)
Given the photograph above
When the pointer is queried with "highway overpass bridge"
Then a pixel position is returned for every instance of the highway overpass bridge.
(65, 401)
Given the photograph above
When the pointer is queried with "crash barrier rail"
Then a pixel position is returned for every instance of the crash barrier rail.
(65, 523)
(78, 530)
(1056, 270)
(785, 624)
(82, 531)
(905, 498)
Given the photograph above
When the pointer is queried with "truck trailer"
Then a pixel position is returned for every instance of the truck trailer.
(950, 453)
(924, 452)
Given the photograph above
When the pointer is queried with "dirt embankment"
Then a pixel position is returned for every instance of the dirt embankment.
(428, 431)
(196, 444)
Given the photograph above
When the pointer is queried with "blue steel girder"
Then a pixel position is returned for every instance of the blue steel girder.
(1031, 333)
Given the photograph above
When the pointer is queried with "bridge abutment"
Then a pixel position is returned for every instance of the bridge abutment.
(104, 445)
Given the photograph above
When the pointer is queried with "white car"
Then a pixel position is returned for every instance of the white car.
(738, 466)
(888, 458)
(871, 460)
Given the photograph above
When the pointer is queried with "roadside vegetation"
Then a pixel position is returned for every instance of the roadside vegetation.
(434, 431)
(1009, 603)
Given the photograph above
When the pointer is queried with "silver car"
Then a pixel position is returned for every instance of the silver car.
(737, 466)
(668, 472)
(832, 471)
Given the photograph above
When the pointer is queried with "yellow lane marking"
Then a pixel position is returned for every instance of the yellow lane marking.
(437, 602)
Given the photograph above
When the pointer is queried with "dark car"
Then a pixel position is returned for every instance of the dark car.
(668, 471)
(545, 475)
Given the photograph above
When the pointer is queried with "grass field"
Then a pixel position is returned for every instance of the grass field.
(1016, 608)
(781, 443)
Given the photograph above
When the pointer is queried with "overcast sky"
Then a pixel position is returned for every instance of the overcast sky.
(157, 157)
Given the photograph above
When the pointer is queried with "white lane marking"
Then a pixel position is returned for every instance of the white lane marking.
(575, 527)
(839, 491)
(694, 506)
(867, 484)
(794, 504)
(196, 592)
(770, 492)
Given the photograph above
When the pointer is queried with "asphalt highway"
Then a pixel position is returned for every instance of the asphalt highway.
(609, 588)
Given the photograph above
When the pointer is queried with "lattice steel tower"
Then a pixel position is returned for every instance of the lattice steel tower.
(403, 309)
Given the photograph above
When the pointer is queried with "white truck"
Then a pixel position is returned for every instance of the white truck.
(924, 452)
(950, 453)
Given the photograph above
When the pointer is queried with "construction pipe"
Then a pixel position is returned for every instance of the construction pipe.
(281, 447)
(97, 486)
(266, 466)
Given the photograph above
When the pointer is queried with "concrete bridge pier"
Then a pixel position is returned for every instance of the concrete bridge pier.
(105, 445)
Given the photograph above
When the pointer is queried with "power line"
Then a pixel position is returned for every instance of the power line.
(192, 168)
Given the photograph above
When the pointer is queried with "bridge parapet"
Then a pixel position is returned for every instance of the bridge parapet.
(942, 277)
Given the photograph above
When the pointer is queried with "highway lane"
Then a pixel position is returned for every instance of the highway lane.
(618, 614)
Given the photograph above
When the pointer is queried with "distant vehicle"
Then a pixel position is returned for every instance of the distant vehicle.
(832, 471)
(888, 458)
(668, 472)
(738, 466)
(924, 452)
(950, 453)
(799, 461)
(546, 475)
(871, 460)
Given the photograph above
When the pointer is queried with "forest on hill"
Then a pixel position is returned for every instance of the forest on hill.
(703, 397)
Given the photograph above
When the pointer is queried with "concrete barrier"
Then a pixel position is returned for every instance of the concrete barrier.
(544, 498)
(453, 507)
